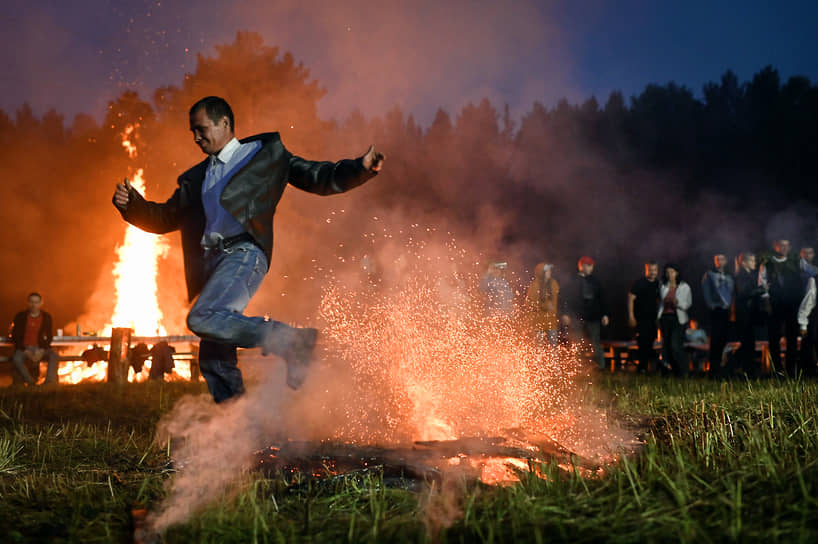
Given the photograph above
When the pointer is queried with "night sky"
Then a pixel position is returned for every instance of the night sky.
(75, 56)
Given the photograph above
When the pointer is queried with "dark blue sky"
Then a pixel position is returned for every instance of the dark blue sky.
(75, 56)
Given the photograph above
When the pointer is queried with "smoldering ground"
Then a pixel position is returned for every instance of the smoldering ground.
(406, 354)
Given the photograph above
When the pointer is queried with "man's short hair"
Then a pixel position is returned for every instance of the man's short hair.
(651, 263)
(35, 294)
(744, 255)
(216, 108)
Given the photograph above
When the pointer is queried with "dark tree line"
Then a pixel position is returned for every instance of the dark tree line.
(667, 174)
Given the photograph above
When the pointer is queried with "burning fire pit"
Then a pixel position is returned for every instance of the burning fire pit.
(492, 460)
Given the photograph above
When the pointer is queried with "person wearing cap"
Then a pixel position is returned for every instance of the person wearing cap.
(585, 310)
(542, 301)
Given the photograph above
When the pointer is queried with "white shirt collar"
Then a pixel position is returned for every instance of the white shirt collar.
(228, 150)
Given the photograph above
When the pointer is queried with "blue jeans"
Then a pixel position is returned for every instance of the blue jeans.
(234, 276)
(20, 358)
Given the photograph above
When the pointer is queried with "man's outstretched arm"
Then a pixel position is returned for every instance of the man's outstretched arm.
(326, 178)
(158, 218)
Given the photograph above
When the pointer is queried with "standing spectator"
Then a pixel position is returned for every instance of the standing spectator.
(748, 311)
(806, 263)
(717, 287)
(31, 334)
(781, 276)
(806, 315)
(585, 307)
(643, 305)
(806, 323)
(675, 299)
(498, 296)
(542, 301)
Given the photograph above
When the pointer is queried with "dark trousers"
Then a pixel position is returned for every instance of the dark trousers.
(29, 371)
(786, 317)
(673, 347)
(645, 337)
(747, 351)
(593, 332)
(719, 322)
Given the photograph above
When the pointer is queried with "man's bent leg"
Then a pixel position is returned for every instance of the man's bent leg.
(219, 366)
(19, 360)
(217, 314)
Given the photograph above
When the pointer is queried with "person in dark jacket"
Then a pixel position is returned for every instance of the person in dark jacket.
(585, 309)
(224, 207)
(643, 305)
(718, 287)
(748, 312)
(781, 276)
(31, 333)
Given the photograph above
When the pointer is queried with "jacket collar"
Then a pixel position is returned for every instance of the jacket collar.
(197, 173)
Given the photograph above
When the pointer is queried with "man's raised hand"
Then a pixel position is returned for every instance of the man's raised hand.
(123, 194)
(373, 160)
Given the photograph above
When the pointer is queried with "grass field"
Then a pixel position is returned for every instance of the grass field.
(722, 462)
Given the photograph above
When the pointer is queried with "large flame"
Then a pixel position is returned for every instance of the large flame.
(135, 283)
(135, 272)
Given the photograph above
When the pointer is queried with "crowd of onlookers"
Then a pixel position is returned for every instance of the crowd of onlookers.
(776, 293)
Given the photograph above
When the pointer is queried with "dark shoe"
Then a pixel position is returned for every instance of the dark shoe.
(294, 345)
(300, 355)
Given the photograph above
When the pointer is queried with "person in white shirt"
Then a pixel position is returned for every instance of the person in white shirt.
(675, 299)
(807, 328)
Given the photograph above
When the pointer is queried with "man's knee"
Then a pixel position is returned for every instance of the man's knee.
(198, 321)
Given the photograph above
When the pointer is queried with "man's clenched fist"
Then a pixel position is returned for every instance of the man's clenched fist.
(122, 194)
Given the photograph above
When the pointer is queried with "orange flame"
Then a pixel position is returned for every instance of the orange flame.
(78, 371)
(135, 282)
(135, 272)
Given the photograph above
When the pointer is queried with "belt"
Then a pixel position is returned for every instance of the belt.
(237, 239)
(230, 241)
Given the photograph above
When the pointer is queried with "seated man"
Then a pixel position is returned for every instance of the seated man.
(31, 334)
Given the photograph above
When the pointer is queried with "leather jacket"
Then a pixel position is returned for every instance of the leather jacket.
(251, 197)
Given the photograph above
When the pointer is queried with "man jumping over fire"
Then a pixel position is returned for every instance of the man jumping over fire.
(224, 207)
